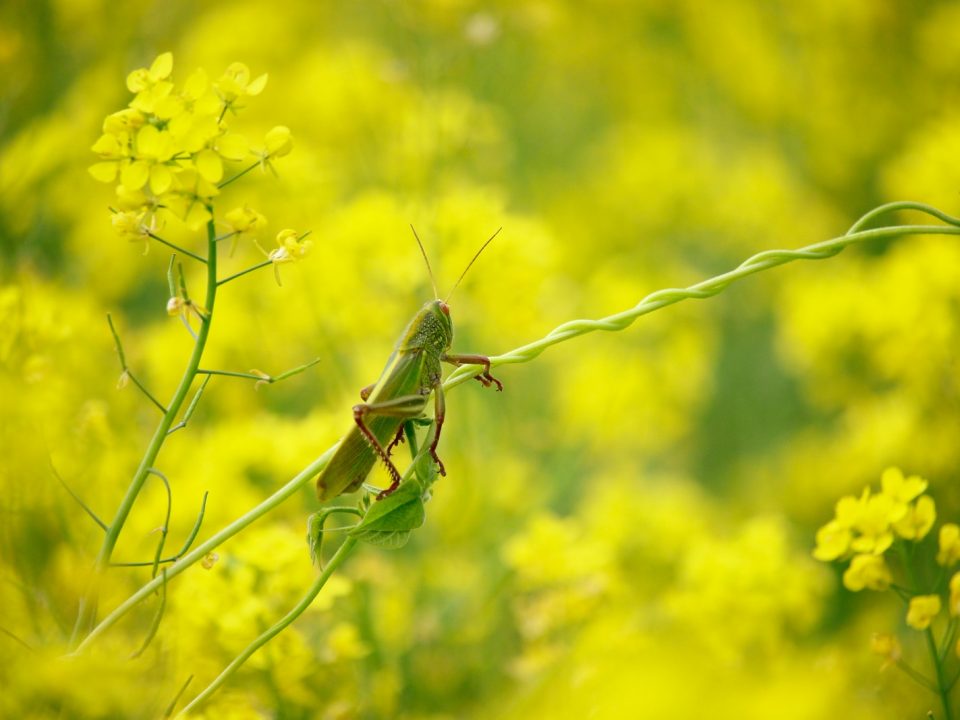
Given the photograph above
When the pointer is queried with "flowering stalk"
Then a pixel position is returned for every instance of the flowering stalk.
(167, 151)
(88, 604)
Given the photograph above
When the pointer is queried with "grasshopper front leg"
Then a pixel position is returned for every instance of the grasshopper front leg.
(485, 378)
(405, 407)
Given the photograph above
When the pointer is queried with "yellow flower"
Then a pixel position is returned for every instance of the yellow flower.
(848, 510)
(292, 247)
(867, 571)
(918, 520)
(186, 309)
(142, 78)
(833, 541)
(954, 606)
(198, 95)
(154, 148)
(124, 121)
(112, 147)
(901, 490)
(187, 197)
(235, 83)
(244, 220)
(872, 520)
(949, 552)
(923, 609)
(158, 99)
(886, 646)
(279, 141)
(192, 131)
(232, 146)
(130, 225)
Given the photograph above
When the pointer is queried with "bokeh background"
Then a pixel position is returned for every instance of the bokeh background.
(626, 530)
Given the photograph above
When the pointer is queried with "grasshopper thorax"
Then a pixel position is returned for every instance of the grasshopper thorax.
(430, 329)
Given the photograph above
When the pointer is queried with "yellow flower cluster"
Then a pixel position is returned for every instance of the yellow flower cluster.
(864, 528)
(167, 148)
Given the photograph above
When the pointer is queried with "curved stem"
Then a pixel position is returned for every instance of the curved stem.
(199, 552)
(707, 288)
(88, 604)
(338, 558)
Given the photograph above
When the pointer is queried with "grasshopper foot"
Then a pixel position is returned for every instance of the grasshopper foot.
(440, 468)
(486, 379)
(388, 491)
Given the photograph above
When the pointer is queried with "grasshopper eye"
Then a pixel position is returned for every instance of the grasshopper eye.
(444, 308)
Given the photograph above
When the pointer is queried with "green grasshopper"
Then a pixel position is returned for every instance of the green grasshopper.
(400, 396)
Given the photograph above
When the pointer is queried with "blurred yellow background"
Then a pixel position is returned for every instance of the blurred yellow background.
(625, 531)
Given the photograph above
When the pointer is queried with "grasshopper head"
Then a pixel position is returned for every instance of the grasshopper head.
(441, 313)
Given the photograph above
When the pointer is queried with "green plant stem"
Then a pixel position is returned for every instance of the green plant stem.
(177, 248)
(346, 547)
(238, 175)
(943, 688)
(265, 263)
(702, 290)
(88, 604)
(762, 261)
(199, 552)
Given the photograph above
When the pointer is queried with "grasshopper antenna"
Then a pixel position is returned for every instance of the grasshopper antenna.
(473, 260)
(426, 260)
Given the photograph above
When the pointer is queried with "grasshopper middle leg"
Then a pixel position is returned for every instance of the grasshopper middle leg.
(485, 377)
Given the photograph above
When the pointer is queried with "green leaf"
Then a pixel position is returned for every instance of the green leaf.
(388, 522)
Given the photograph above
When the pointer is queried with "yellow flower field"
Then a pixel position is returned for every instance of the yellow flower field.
(741, 507)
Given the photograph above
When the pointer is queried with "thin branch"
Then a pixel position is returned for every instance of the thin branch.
(261, 377)
(176, 247)
(186, 544)
(190, 408)
(158, 616)
(126, 368)
(176, 698)
(918, 677)
(948, 638)
(295, 371)
(80, 502)
(196, 526)
(265, 263)
(166, 521)
(231, 373)
(17, 639)
(239, 175)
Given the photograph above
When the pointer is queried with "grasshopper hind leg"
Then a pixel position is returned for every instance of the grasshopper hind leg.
(404, 408)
